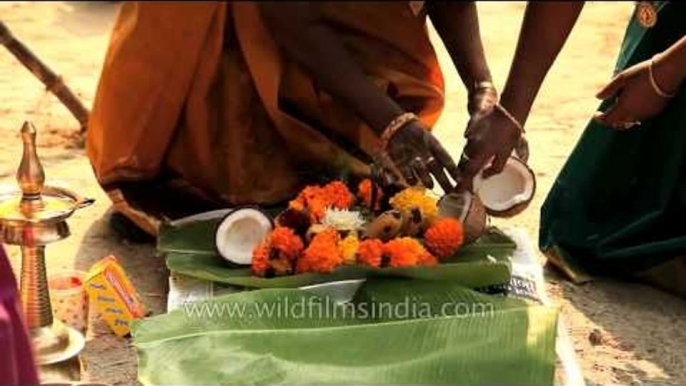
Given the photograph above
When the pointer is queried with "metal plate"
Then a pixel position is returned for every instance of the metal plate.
(76, 343)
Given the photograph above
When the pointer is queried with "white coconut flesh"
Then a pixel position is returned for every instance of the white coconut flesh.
(504, 191)
(240, 232)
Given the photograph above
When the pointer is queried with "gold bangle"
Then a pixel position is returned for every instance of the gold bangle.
(396, 124)
(658, 90)
(483, 85)
(511, 117)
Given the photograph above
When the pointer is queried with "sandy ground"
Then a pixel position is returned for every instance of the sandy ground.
(641, 329)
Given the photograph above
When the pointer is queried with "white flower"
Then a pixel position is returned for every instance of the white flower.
(343, 220)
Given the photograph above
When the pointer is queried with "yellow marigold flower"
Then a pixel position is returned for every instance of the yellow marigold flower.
(415, 197)
(348, 249)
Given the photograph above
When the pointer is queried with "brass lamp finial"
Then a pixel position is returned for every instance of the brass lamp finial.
(30, 175)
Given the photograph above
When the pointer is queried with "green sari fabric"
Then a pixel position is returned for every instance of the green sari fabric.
(617, 207)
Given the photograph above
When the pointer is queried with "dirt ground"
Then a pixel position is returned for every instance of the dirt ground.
(642, 329)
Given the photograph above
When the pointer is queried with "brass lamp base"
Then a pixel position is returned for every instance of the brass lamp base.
(32, 218)
(56, 343)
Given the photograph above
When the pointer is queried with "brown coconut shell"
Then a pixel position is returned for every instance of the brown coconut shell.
(467, 208)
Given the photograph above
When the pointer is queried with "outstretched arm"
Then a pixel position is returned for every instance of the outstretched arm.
(302, 33)
(637, 96)
(545, 29)
(457, 23)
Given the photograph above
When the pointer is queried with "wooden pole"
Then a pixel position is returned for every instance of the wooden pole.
(52, 81)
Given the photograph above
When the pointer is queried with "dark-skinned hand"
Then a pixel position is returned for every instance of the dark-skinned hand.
(635, 100)
(416, 155)
(490, 139)
(481, 102)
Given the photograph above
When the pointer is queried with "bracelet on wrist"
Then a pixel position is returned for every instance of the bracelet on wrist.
(658, 90)
(482, 85)
(396, 124)
(511, 117)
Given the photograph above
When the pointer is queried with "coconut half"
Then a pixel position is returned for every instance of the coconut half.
(508, 193)
(240, 232)
(467, 208)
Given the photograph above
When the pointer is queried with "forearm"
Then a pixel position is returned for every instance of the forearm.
(457, 23)
(299, 31)
(545, 29)
(671, 66)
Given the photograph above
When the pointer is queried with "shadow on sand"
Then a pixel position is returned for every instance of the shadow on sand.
(634, 318)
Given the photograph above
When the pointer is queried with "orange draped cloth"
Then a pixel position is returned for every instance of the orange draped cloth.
(200, 91)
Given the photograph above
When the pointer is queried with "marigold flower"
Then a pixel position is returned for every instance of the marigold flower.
(364, 193)
(286, 242)
(427, 259)
(276, 255)
(370, 252)
(266, 262)
(403, 252)
(348, 249)
(260, 259)
(444, 237)
(415, 197)
(316, 199)
(338, 195)
(322, 254)
(317, 208)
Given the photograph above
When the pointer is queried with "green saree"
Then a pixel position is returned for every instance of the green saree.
(617, 207)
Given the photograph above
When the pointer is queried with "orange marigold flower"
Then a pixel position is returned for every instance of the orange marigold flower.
(364, 192)
(296, 204)
(302, 201)
(311, 192)
(316, 199)
(370, 252)
(286, 242)
(317, 208)
(427, 259)
(444, 237)
(338, 195)
(322, 254)
(276, 255)
(403, 252)
(260, 259)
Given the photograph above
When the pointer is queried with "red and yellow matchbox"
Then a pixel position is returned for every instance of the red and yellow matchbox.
(113, 295)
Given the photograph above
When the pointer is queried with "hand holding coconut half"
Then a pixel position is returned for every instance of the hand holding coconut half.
(491, 139)
(494, 176)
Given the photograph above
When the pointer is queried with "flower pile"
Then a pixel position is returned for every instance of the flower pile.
(326, 227)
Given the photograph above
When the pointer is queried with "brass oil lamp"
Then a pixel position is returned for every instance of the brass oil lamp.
(32, 218)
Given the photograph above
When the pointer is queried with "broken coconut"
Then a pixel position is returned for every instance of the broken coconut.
(508, 193)
(240, 232)
(467, 208)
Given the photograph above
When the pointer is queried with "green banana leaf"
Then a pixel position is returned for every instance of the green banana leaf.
(492, 340)
(190, 251)
(213, 268)
(199, 238)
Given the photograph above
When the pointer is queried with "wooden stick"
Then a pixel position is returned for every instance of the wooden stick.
(52, 81)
